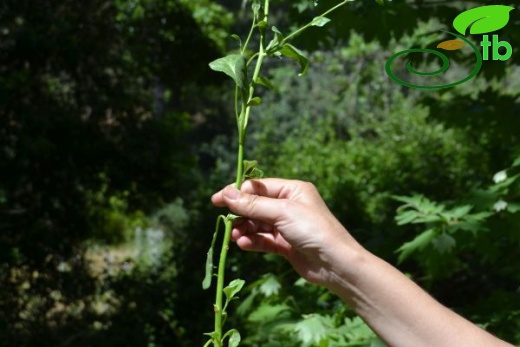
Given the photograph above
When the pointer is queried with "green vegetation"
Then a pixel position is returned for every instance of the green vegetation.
(114, 132)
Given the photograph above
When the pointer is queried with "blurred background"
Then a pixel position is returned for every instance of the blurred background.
(114, 133)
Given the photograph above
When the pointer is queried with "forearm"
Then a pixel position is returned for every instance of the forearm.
(398, 310)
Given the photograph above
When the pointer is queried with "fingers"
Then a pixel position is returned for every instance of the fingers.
(275, 188)
(262, 242)
(255, 207)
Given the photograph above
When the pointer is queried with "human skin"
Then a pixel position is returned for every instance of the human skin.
(289, 218)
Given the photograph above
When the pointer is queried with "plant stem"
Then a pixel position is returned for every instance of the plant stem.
(242, 125)
(293, 34)
(217, 340)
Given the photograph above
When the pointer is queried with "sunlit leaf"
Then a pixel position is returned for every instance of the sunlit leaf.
(421, 241)
(460, 211)
(276, 41)
(234, 338)
(233, 288)
(234, 66)
(320, 21)
(312, 329)
(206, 282)
(256, 101)
(484, 19)
(271, 286)
(266, 312)
(294, 53)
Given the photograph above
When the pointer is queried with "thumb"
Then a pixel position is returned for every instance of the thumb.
(256, 207)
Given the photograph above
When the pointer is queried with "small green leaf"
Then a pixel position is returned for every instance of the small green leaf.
(271, 286)
(460, 211)
(406, 217)
(380, 2)
(233, 288)
(267, 312)
(483, 19)
(231, 216)
(444, 243)
(249, 165)
(517, 162)
(295, 54)
(256, 8)
(265, 82)
(421, 241)
(262, 24)
(256, 101)
(236, 37)
(320, 21)
(276, 41)
(206, 282)
(234, 66)
(255, 173)
(313, 329)
(234, 338)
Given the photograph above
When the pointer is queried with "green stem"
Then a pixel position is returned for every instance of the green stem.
(217, 340)
(242, 125)
(295, 33)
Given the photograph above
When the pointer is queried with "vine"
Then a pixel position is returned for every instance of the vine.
(237, 66)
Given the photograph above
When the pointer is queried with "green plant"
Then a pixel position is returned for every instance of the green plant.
(236, 66)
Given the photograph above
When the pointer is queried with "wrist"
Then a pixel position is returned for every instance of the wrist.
(347, 259)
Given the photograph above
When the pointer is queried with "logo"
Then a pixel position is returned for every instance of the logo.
(480, 20)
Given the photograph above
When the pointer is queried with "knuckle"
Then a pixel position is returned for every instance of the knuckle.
(251, 203)
(309, 186)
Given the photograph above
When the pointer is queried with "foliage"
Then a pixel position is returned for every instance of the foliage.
(280, 313)
(93, 133)
(479, 231)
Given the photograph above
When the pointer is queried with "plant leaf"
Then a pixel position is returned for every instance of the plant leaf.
(206, 282)
(271, 286)
(320, 21)
(265, 82)
(483, 19)
(275, 42)
(233, 288)
(255, 173)
(420, 241)
(267, 312)
(312, 329)
(444, 243)
(236, 37)
(295, 54)
(256, 101)
(517, 162)
(233, 65)
(234, 339)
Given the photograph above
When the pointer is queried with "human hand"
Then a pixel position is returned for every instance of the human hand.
(288, 218)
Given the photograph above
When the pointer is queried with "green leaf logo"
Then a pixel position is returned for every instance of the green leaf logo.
(482, 20)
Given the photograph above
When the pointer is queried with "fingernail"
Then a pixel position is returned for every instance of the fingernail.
(231, 193)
